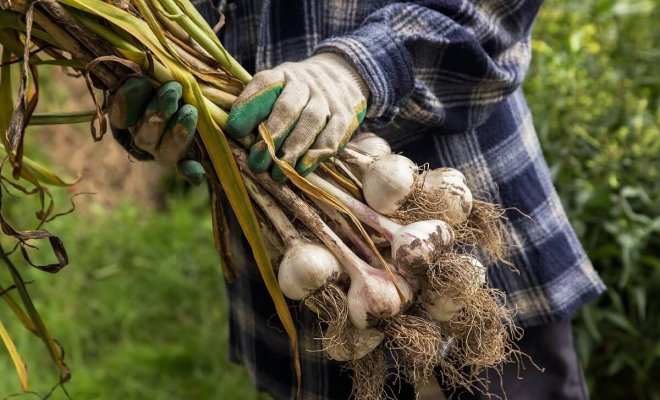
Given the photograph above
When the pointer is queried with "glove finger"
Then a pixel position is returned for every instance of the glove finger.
(333, 138)
(335, 133)
(259, 158)
(177, 137)
(278, 175)
(255, 103)
(312, 121)
(154, 120)
(282, 120)
(129, 102)
(125, 139)
(191, 170)
(290, 158)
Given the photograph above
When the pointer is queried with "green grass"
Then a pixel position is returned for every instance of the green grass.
(140, 311)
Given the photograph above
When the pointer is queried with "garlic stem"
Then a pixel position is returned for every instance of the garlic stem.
(366, 214)
(347, 171)
(352, 156)
(277, 217)
(344, 228)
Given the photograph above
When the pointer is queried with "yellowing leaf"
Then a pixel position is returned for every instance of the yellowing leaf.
(21, 368)
(33, 171)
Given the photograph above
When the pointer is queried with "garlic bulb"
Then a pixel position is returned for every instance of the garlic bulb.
(439, 176)
(449, 186)
(371, 144)
(372, 296)
(418, 243)
(479, 270)
(387, 180)
(442, 307)
(306, 267)
(365, 340)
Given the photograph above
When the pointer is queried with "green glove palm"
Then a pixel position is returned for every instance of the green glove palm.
(152, 122)
(311, 108)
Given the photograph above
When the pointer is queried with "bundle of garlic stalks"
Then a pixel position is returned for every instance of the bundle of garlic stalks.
(413, 292)
(407, 287)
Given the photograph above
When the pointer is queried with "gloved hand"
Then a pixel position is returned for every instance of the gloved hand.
(311, 108)
(150, 125)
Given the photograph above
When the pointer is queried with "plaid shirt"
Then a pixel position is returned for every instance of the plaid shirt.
(445, 81)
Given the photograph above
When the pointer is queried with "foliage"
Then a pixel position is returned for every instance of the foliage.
(593, 88)
(140, 311)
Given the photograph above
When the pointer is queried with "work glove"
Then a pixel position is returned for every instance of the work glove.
(151, 125)
(310, 107)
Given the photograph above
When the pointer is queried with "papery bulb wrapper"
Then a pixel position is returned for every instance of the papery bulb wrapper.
(304, 268)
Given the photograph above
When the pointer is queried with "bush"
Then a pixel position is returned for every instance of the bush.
(593, 88)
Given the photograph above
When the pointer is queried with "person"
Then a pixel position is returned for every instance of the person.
(441, 81)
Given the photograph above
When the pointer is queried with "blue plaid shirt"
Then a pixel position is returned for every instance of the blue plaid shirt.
(445, 79)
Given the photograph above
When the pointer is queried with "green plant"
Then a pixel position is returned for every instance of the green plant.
(140, 312)
(594, 89)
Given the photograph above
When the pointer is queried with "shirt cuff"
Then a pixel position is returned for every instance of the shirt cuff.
(384, 63)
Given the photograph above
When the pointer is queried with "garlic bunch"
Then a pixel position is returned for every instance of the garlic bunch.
(374, 294)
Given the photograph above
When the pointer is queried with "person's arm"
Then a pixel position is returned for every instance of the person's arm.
(451, 60)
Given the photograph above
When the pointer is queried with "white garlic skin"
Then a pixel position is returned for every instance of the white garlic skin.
(452, 186)
(372, 296)
(306, 267)
(479, 270)
(445, 175)
(387, 182)
(366, 340)
(371, 144)
(376, 299)
(443, 308)
(416, 244)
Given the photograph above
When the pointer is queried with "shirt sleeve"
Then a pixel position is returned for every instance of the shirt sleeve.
(442, 63)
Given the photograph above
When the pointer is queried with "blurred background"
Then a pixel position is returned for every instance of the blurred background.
(140, 310)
